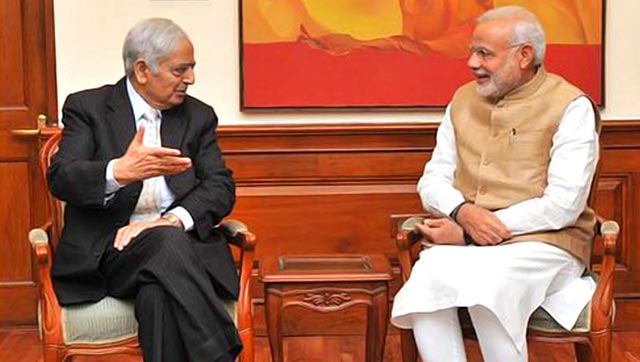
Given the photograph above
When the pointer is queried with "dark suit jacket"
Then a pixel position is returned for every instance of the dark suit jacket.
(98, 127)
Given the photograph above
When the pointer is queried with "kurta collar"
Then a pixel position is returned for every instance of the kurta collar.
(528, 88)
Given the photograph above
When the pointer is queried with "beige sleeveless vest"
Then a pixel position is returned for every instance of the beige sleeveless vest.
(502, 151)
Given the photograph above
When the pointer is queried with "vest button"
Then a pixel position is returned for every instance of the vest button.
(482, 190)
(486, 161)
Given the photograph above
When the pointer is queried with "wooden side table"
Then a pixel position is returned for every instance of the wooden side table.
(314, 288)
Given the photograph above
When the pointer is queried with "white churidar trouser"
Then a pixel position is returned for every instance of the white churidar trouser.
(439, 338)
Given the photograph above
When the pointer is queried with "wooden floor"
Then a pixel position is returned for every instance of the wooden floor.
(22, 345)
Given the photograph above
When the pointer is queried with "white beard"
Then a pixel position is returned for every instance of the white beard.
(503, 81)
(487, 90)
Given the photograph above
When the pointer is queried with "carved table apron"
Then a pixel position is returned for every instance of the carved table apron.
(326, 295)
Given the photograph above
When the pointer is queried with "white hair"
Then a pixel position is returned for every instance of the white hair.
(527, 28)
(150, 40)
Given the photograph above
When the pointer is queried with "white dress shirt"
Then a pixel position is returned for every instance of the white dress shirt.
(140, 107)
(574, 154)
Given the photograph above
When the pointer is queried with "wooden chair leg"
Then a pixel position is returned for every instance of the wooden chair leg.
(408, 345)
(247, 341)
(630, 357)
(598, 349)
(50, 354)
(584, 353)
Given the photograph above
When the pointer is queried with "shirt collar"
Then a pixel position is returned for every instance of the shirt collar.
(139, 105)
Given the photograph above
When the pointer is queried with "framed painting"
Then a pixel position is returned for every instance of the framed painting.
(393, 54)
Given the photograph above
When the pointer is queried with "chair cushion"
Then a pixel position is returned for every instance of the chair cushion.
(109, 320)
(106, 321)
(542, 321)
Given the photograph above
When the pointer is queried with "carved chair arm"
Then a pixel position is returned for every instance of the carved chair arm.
(409, 227)
(602, 301)
(609, 230)
(239, 235)
(403, 230)
(49, 309)
(39, 240)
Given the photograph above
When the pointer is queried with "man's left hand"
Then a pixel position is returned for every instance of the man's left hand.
(441, 231)
(127, 233)
(483, 226)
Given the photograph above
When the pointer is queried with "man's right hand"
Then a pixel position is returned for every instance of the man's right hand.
(141, 162)
(482, 225)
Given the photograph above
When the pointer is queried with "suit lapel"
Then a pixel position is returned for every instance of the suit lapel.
(172, 129)
(121, 116)
(174, 124)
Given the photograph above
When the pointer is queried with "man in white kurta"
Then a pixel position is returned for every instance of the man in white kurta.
(510, 176)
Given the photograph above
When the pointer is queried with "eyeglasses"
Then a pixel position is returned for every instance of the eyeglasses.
(483, 53)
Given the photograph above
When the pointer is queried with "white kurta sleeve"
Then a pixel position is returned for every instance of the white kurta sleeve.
(574, 155)
(436, 184)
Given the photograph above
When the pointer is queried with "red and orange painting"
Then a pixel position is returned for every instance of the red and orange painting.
(393, 53)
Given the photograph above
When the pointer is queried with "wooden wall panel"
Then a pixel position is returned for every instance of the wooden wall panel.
(328, 166)
(321, 219)
(321, 155)
(12, 54)
(17, 288)
(317, 189)
(18, 303)
(15, 259)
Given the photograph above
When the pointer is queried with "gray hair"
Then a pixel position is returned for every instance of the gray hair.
(150, 40)
(526, 30)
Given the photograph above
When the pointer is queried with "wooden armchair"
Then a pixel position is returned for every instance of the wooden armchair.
(108, 327)
(592, 332)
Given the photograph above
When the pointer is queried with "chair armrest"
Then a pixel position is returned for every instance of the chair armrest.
(406, 224)
(409, 227)
(39, 240)
(609, 230)
(602, 301)
(239, 235)
(403, 231)
(50, 313)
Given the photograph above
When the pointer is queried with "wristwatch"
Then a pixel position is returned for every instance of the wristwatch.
(173, 220)
(468, 240)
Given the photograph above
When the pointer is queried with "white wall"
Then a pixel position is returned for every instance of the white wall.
(89, 35)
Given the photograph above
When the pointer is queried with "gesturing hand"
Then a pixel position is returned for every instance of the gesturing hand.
(141, 162)
(441, 231)
(482, 225)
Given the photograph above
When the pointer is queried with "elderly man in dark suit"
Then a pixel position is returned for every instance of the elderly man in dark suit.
(145, 185)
